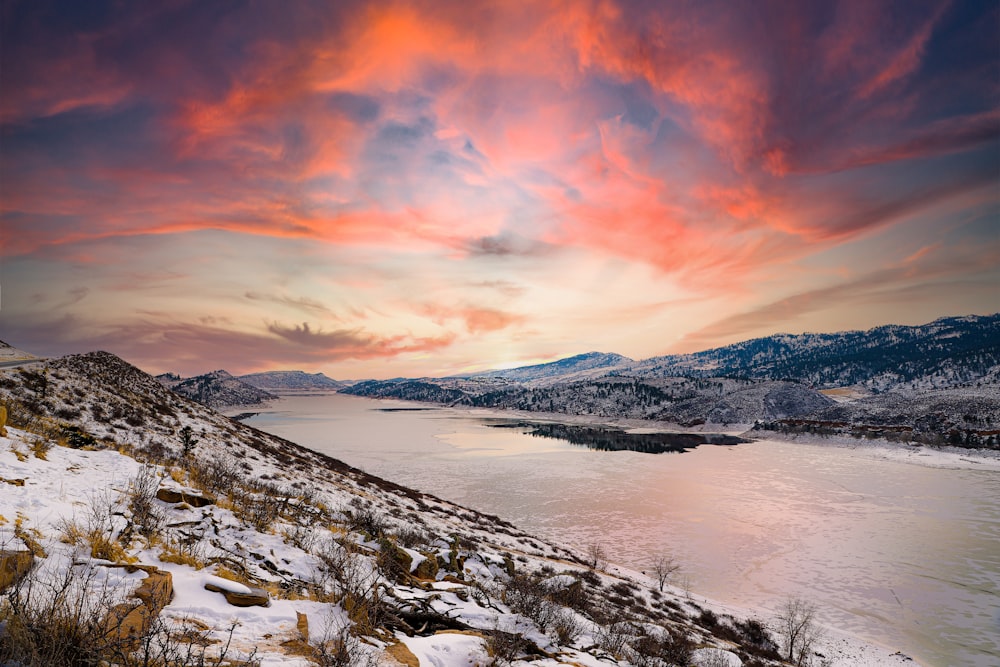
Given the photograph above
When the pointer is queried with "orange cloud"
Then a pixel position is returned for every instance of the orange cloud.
(477, 319)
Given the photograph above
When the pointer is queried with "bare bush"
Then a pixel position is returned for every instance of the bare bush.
(597, 557)
(259, 506)
(70, 617)
(147, 518)
(365, 519)
(528, 596)
(566, 627)
(218, 474)
(504, 647)
(337, 647)
(660, 648)
(351, 578)
(613, 637)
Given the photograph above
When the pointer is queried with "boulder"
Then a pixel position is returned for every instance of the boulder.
(128, 622)
(237, 594)
(174, 496)
(427, 568)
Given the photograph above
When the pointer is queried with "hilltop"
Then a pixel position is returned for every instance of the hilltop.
(291, 381)
(934, 384)
(216, 389)
(189, 538)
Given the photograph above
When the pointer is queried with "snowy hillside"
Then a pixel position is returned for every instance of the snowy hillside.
(9, 353)
(948, 352)
(140, 527)
(591, 363)
(216, 389)
(290, 381)
(678, 400)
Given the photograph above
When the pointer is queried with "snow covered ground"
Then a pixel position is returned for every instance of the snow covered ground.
(45, 495)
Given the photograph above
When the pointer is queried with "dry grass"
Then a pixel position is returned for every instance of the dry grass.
(107, 547)
(29, 536)
(70, 532)
(40, 447)
(179, 554)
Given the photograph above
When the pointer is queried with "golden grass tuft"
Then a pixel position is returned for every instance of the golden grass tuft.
(71, 533)
(172, 553)
(29, 536)
(106, 547)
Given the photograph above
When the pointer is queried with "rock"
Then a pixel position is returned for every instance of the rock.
(240, 595)
(127, 623)
(13, 566)
(402, 654)
(427, 569)
(398, 556)
(302, 625)
(156, 590)
(173, 496)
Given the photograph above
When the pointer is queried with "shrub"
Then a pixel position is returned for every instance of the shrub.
(755, 638)
(345, 575)
(69, 619)
(504, 647)
(566, 627)
(337, 647)
(528, 596)
(364, 519)
(597, 557)
(614, 637)
(147, 518)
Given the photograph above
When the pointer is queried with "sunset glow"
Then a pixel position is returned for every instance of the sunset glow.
(379, 189)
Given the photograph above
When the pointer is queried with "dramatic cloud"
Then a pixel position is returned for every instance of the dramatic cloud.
(519, 167)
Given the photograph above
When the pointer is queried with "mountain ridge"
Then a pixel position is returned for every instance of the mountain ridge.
(216, 389)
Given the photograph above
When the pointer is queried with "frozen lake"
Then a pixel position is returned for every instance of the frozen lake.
(900, 554)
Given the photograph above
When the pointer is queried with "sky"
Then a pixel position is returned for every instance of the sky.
(381, 189)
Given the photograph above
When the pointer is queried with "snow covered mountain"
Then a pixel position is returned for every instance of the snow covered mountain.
(576, 367)
(949, 352)
(216, 389)
(939, 383)
(290, 381)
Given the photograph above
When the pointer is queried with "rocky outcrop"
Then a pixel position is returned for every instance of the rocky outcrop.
(129, 621)
(174, 496)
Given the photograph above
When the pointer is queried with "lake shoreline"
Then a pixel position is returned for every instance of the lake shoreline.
(879, 448)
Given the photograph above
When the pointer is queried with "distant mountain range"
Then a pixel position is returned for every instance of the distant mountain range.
(935, 383)
(852, 381)
(949, 352)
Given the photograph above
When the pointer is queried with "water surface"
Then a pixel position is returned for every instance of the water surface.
(900, 554)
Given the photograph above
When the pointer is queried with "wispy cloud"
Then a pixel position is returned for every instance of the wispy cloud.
(715, 145)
